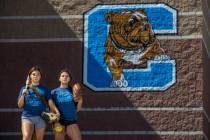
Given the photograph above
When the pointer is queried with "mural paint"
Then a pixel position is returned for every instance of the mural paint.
(121, 51)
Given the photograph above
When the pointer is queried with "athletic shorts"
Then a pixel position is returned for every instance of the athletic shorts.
(37, 121)
(67, 122)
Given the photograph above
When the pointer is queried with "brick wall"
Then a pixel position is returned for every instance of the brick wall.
(49, 34)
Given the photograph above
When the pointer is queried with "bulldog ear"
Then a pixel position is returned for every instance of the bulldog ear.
(108, 17)
(142, 11)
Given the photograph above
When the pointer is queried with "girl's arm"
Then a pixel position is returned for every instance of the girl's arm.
(53, 108)
(79, 104)
(21, 99)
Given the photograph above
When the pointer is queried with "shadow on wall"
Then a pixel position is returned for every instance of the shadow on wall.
(17, 58)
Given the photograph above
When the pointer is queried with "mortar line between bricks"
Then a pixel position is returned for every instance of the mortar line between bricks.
(164, 133)
(46, 17)
(98, 109)
(185, 109)
(24, 40)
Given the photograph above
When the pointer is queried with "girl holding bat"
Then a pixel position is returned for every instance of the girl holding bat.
(31, 120)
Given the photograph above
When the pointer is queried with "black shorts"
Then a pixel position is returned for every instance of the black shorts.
(67, 122)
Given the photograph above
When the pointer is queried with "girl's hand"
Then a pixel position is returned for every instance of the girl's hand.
(58, 116)
(25, 91)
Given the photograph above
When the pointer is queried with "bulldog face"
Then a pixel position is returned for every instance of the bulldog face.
(130, 29)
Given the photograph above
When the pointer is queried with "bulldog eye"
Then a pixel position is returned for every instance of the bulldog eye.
(132, 21)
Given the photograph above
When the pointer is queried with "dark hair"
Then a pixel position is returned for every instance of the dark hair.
(65, 70)
(35, 68)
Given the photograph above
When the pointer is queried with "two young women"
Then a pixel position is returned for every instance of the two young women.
(60, 100)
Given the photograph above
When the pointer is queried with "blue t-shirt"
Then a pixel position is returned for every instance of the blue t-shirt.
(33, 106)
(64, 101)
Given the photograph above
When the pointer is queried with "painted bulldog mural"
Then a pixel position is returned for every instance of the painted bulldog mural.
(121, 51)
(130, 40)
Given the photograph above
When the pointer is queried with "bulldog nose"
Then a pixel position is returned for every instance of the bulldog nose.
(135, 39)
(145, 41)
